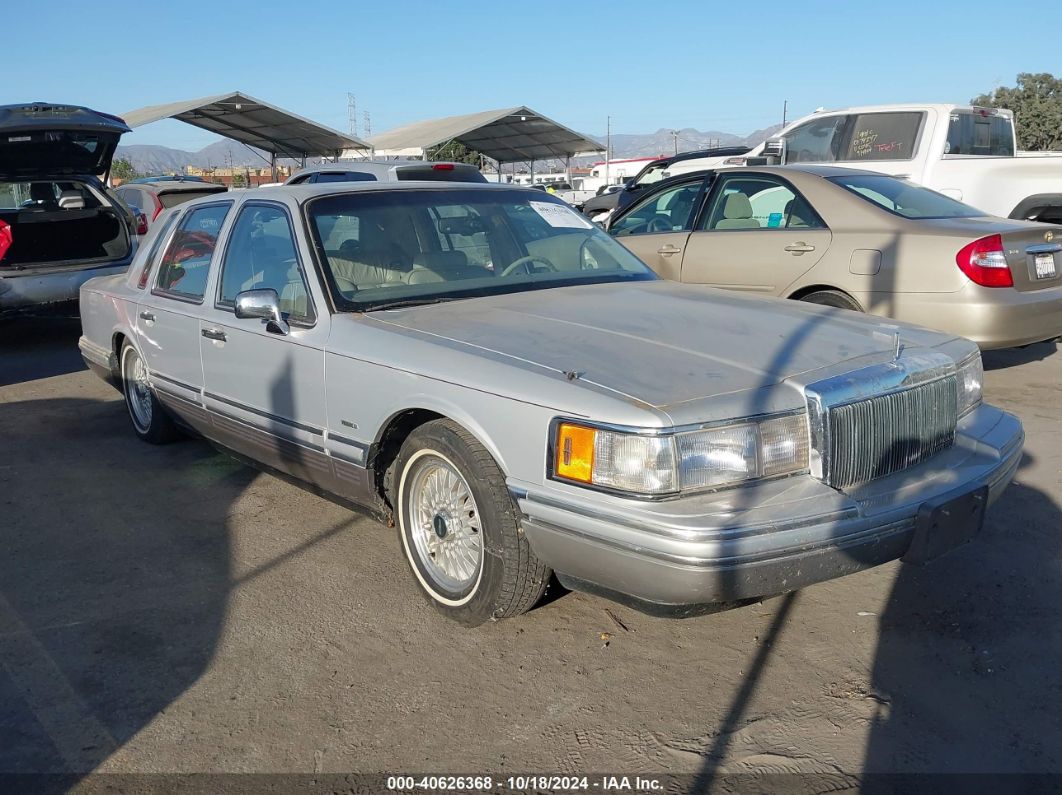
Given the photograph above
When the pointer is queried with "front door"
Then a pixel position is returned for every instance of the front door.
(757, 234)
(656, 229)
(265, 388)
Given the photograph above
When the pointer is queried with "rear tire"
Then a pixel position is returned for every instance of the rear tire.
(832, 298)
(150, 420)
(459, 530)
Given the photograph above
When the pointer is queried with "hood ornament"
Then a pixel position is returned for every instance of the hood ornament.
(898, 344)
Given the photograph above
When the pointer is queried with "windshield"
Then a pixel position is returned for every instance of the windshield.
(394, 248)
(904, 198)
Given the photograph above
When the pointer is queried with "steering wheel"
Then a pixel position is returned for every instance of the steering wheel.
(526, 263)
(658, 224)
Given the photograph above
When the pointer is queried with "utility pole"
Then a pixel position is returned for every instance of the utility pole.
(608, 147)
(352, 114)
(674, 136)
(785, 111)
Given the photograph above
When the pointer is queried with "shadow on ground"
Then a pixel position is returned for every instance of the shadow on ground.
(967, 687)
(110, 605)
(32, 348)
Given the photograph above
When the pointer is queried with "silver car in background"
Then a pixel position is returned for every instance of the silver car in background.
(524, 397)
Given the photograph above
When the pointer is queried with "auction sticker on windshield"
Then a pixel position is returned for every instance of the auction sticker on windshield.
(559, 216)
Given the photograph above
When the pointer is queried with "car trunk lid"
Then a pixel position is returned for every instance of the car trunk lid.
(1034, 254)
(44, 140)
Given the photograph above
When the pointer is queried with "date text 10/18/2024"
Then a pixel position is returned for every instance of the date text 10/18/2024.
(521, 783)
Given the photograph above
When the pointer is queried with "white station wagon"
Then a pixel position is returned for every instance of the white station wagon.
(522, 396)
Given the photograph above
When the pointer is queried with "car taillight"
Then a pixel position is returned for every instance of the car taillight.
(443, 166)
(5, 238)
(158, 207)
(985, 263)
(141, 224)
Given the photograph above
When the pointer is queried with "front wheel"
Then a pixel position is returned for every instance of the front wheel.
(459, 529)
(150, 420)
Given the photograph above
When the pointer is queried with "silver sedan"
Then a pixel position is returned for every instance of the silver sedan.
(523, 397)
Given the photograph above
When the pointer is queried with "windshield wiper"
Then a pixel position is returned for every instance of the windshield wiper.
(401, 303)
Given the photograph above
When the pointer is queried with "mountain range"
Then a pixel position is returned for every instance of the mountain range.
(152, 159)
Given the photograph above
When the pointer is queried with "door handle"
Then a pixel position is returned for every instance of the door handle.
(214, 334)
(148, 316)
(668, 250)
(798, 248)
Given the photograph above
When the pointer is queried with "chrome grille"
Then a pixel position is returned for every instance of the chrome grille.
(877, 436)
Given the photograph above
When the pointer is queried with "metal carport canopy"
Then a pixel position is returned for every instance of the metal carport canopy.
(251, 121)
(509, 135)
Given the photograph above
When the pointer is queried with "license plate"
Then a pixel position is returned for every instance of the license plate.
(1045, 266)
(941, 526)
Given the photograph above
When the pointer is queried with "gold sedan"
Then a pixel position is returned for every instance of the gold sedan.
(855, 240)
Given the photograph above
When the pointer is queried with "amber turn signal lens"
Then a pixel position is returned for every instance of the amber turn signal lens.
(575, 453)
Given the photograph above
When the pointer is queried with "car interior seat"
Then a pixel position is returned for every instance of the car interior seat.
(42, 197)
(737, 213)
(71, 200)
(441, 266)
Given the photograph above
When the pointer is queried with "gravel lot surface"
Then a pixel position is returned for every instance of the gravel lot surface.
(165, 609)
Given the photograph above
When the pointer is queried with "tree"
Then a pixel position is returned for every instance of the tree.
(455, 152)
(122, 170)
(1037, 105)
(239, 179)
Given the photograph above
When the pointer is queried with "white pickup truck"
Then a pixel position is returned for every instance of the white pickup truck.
(967, 153)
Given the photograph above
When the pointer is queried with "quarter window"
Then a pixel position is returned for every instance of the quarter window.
(186, 263)
(759, 202)
(668, 211)
(261, 255)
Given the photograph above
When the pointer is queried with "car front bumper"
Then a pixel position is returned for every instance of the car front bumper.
(21, 290)
(690, 555)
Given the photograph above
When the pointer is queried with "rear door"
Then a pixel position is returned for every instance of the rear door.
(756, 234)
(658, 227)
(168, 318)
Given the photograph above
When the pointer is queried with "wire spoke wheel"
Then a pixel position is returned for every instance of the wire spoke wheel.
(445, 524)
(139, 389)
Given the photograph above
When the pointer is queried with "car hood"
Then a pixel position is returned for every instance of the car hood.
(660, 343)
(40, 141)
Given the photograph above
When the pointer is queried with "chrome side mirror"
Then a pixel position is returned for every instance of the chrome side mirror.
(264, 304)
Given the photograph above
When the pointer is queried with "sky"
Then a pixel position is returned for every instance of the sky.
(711, 66)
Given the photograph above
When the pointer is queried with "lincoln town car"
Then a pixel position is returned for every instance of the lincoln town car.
(524, 398)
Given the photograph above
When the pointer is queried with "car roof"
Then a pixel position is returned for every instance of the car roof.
(303, 193)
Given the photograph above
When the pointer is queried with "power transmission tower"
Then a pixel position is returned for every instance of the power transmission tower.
(366, 124)
(352, 113)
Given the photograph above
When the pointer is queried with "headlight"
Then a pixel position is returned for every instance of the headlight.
(654, 465)
(968, 380)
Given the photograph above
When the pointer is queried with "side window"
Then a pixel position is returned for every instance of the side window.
(816, 141)
(261, 255)
(883, 136)
(759, 202)
(668, 211)
(186, 264)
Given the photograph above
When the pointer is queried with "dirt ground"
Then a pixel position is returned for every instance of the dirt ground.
(168, 610)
